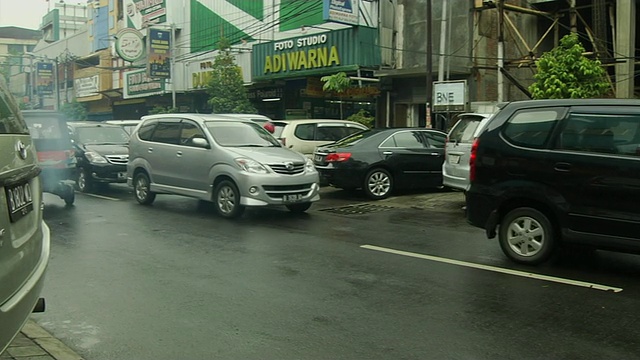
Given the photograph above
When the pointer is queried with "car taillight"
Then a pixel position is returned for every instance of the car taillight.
(472, 160)
(337, 157)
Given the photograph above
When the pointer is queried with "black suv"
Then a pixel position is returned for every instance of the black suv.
(545, 172)
(102, 153)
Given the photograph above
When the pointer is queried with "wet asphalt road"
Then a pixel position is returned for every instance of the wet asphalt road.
(173, 281)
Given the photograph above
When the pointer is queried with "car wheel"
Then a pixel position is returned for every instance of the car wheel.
(227, 200)
(299, 208)
(527, 236)
(69, 196)
(83, 182)
(142, 189)
(378, 184)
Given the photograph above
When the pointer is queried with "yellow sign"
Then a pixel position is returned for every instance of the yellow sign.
(302, 59)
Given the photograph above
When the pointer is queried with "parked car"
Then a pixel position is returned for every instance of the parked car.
(382, 160)
(233, 163)
(24, 237)
(102, 153)
(127, 125)
(455, 169)
(551, 172)
(260, 119)
(306, 134)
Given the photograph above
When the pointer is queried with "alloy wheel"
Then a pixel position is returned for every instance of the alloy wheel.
(525, 236)
(379, 184)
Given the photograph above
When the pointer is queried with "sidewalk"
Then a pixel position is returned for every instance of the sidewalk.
(35, 343)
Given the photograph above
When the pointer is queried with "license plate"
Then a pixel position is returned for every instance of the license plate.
(19, 201)
(454, 159)
(291, 197)
(318, 158)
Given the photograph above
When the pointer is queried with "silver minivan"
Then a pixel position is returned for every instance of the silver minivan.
(231, 162)
(455, 168)
(24, 237)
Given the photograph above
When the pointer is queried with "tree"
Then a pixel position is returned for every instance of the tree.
(74, 111)
(338, 83)
(159, 109)
(363, 117)
(565, 73)
(225, 86)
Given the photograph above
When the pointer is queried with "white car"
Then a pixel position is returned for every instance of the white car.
(260, 119)
(305, 135)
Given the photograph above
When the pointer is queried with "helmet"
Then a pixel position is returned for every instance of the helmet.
(269, 127)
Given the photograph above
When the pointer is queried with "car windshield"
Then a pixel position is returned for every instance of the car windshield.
(241, 134)
(102, 135)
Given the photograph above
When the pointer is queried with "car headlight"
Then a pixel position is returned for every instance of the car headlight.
(251, 166)
(309, 166)
(95, 158)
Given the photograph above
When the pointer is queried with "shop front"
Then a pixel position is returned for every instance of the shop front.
(287, 74)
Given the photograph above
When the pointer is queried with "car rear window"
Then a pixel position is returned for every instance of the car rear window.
(465, 128)
(279, 128)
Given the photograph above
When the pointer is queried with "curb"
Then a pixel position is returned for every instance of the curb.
(34, 342)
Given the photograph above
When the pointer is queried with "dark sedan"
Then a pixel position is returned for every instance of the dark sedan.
(382, 160)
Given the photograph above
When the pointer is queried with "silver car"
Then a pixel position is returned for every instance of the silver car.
(24, 237)
(455, 169)
(232, 162)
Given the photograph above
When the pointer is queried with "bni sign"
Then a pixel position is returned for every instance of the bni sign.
(449, 95)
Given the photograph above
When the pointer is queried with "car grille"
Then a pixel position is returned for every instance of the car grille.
(118, 159)
(276, 191)
(291, 170)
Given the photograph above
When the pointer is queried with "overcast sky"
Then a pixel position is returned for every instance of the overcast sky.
(25, 13)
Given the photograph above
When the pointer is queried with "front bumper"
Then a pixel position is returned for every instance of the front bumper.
(108, 173)
(15, 312)
(270, 189)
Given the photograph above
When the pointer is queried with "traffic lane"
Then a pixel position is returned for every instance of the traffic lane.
(270, 293)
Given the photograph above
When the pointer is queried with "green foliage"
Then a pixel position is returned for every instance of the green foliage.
(338, 83)
(158, 109)
(363, 117)
(564, 73)
(226, 87)
(74, 111)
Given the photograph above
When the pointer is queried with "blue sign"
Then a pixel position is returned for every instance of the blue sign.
(159, 53)
(342, 11)
(44, 78)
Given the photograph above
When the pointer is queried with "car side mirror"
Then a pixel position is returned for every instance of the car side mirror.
(200, 142)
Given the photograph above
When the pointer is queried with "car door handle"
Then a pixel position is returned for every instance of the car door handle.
(179, 154)
(387, 153)
(435, 154)
(150, 150)
(562, 166)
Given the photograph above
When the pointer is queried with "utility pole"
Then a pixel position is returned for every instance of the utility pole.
(56, 76)
(443, 37)
(173, 65)
(500, 77)
(32, 82)
(573, 16)
(429, 66)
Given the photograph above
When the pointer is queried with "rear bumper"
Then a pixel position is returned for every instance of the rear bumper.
(482, 212)
(340, 178)
(455, 182)
(15, 312)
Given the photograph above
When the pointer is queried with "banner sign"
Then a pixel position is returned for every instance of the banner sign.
(44, 76)
(144, 13)
(87, 86)
(159, 53)
(138, 84)
(129, 44)
(342, 11)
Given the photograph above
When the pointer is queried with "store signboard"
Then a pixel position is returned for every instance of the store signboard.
(138, 84)
(342, 11)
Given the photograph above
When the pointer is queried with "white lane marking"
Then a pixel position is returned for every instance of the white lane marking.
(495, 269)
(102, 197)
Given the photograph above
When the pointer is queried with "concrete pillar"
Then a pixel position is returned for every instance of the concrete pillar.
(625, 47)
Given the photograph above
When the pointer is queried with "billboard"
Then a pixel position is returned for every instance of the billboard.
(138, 84)
(342, 11)
(159, 53)
(44, 78)
(143, 13)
